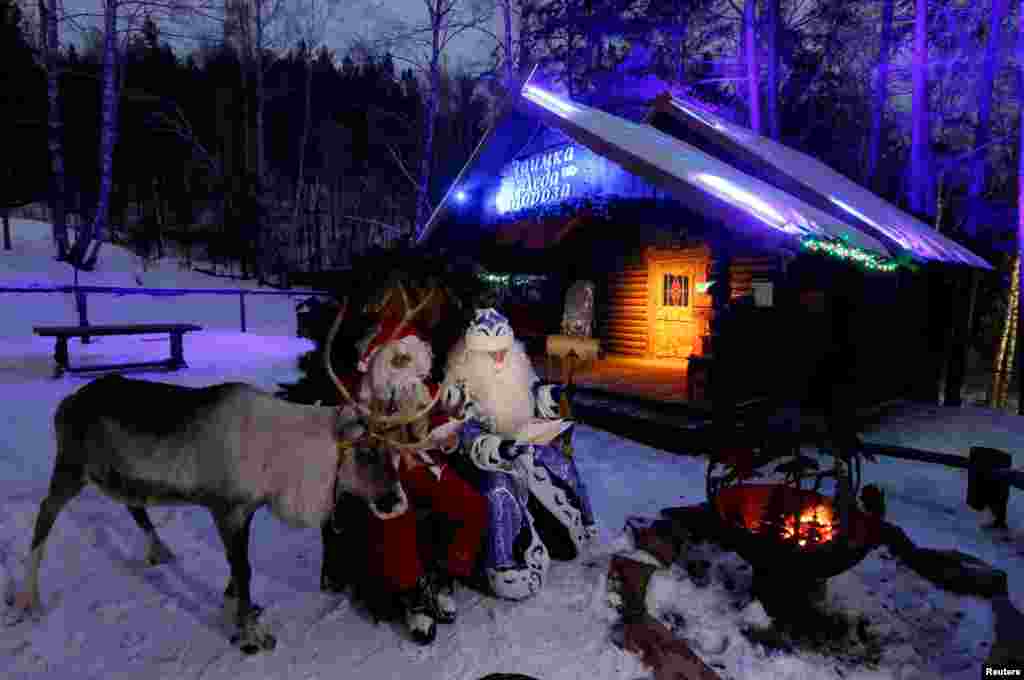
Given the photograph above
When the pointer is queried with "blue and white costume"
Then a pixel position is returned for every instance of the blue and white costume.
(495, 387)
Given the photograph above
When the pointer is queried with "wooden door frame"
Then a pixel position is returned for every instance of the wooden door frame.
(656, 258)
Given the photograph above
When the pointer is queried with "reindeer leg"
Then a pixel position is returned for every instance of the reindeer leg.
(158, 552)
(231, 592)
(233, 525)
(66, 483)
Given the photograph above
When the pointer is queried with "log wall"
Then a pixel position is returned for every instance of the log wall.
(625, 323)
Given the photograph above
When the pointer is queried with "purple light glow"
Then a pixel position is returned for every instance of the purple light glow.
(503, 201)
(909, 243)
(548, 100)
(723, 188)
(694, 114)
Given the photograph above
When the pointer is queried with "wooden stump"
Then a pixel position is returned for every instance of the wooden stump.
(670, 657)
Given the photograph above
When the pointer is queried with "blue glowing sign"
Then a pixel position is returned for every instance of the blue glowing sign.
(544, 178)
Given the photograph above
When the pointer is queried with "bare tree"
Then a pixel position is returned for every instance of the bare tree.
(90, 235)
(772, 26)
(49, 41)
(918, 175)
(982, 131)
(507, 46)
(423, 46)
(753, 67)
(309, 21)
(880, 95)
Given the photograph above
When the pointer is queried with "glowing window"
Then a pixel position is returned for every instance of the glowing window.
(675, 291)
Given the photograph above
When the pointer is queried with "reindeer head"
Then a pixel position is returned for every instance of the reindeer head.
(375, 435)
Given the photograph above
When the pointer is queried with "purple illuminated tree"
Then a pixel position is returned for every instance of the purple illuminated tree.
(750, 48)
(918, 175)
(982, 130)
(880, 93)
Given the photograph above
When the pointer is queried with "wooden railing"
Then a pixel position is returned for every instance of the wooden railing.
(81, 293)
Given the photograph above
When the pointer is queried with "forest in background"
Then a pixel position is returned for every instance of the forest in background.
(269, 153)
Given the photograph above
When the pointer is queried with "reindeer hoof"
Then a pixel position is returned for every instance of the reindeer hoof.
(27, 602)
(159, 554)
(253, 640)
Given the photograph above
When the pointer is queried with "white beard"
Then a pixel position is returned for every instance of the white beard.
(502, 394)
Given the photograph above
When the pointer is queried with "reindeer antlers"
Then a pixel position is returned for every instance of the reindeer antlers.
(376, 420)
(410, 313)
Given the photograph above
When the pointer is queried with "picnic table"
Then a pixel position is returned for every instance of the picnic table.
(62, 333)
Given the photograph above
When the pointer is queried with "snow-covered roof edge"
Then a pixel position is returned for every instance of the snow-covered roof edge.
(744, 203)
(865, 209)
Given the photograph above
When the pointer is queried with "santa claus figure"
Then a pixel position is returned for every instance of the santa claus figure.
(495, 384)
(395, 364)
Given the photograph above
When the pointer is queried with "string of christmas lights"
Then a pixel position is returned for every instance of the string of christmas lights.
(844, 251)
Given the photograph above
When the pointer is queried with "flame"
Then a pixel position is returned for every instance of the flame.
(815, 524)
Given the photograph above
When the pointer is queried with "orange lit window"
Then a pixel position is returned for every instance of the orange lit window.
(675, 291)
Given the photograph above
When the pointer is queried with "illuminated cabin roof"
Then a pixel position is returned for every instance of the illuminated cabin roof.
(754, 208)
(810, 179)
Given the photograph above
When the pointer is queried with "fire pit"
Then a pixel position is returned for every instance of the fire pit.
(794, 538)
(792, 531)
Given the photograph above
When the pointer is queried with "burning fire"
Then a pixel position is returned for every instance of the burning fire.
(815, 525)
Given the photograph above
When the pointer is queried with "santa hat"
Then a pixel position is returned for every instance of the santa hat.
(490, 331)
(379, 336)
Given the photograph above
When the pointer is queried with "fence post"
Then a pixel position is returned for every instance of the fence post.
(983, 491)
(83, 313)
(241, 307)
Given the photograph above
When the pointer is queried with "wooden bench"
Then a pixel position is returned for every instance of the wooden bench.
(62, 333)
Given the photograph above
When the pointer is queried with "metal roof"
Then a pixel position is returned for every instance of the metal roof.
(712, 187)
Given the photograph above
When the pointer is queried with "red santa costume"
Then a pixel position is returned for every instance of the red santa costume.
(396, 381)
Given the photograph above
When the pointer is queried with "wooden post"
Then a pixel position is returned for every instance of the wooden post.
(241, 307)
(718, 377)
(964, 312)
(177, 351)
(60, 356)
(83, 313)
(983, 491)
(940, 319)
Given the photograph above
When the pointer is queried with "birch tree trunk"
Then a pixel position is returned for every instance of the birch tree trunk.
(506, 16)
(430, 117)
(304, 141)
(684, 32)
(264, 251)
(95, 233)
(918, 175)
(49, 40)
(990, 66)
(772, 7)
(880, 96)
(1001, 365)
(1012, 321)
(750, 51)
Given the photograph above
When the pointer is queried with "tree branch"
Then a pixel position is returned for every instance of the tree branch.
(401, 166)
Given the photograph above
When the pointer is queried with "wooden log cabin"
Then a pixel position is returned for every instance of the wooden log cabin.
(705, 243)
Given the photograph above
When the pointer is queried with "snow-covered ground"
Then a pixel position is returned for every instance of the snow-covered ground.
(108, 616)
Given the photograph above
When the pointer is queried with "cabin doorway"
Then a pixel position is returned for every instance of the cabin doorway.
(676, 327)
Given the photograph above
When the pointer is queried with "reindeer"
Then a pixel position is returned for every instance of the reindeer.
(230, 448)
